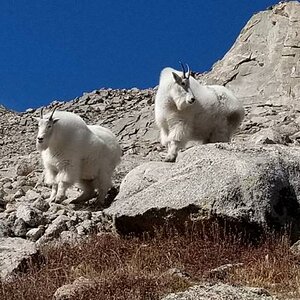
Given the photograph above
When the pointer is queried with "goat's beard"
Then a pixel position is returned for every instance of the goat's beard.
(41, 146)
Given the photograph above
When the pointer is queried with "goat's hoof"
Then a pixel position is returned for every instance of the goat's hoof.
(59, 199)
(77, 200)
(170, 159)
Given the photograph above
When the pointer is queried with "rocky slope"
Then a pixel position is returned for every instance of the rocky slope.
(263, 70)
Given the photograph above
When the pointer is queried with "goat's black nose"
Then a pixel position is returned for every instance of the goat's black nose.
(40, 139)
(192, 100)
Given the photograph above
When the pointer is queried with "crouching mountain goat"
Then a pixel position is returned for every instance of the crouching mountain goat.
(186, 110)
(76, 153)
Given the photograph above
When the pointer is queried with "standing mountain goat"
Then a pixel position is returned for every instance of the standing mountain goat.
(73, 152)
(186, 110)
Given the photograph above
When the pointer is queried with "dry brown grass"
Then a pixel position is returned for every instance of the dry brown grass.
(270, 265)
(137, 268)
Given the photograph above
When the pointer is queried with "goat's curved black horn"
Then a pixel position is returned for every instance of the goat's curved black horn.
(183, 69)
(188, 70)
(52, 113)
(41, 113)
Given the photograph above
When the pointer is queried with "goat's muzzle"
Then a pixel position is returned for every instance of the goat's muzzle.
(40, 139)
(192, 100)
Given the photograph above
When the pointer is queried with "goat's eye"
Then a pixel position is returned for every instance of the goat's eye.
(183, 84)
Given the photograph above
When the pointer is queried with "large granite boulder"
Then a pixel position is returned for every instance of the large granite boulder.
(252, 186)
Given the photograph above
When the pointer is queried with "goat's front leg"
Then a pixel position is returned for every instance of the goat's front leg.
(164, 136)
(53, 192)
(177, 140)
(173, 148)
(61, 191)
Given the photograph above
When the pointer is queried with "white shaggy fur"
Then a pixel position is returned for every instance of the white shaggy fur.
(75, 153)
(186, 110)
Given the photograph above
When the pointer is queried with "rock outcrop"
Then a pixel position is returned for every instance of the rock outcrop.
(263, 65)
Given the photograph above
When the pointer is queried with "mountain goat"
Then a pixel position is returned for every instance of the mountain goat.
(186, 110)
(73, 152)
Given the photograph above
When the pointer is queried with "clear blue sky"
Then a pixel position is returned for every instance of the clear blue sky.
(58, 49)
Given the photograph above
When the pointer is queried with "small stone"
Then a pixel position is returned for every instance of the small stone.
(41, 204)
(84, 215)
(35, 233)
(7, 185)
(20, 228)
(54, 229)
(69, 291)
(81, 230)
(4, 229)
(10, 207)
(32, 195)
(69, 237)
(19, 193)
(87, 225)
(32, 216)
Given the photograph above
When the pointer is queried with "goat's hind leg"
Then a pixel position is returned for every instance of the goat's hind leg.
(103, 185)
(88, 192)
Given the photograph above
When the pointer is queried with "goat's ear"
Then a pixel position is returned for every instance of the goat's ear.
(177, 78)
(55, 120)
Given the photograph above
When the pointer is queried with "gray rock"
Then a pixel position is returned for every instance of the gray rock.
(32, 195)
(35, 233)
(252, 187)
(69, 291)
(4, 229)
(41, 204)
(20, 228)
(69, 237)
(53, 231)
(27, 164)
(81, 230)
(14, 255)
(3, 203)
(84, 215)
(85, 227)
(295, 248)
(32, 216)
(19, 193)
(222, 271)
(270, 136)
(10, 219)
(220, 291)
